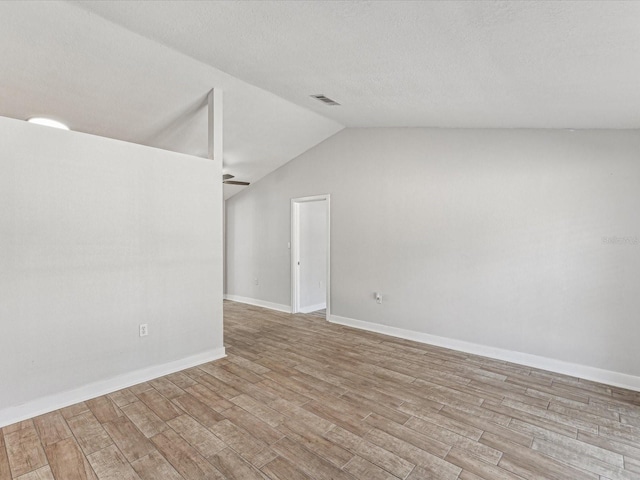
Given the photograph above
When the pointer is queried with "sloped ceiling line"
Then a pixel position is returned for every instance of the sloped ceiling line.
(100, 78)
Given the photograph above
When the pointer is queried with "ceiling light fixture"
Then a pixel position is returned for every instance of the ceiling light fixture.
(47, 122)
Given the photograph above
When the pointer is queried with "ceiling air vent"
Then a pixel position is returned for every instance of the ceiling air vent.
(325, 100)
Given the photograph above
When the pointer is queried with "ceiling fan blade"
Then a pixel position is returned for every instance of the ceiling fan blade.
(227, 176)
(234, 182)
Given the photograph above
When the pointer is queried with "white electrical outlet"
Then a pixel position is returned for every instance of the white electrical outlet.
(144, 330)
(378, 297)
(256, 281)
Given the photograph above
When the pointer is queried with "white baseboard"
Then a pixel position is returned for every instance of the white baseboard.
(11, 415)
(608, 377)
(313, 308)
(259, 303)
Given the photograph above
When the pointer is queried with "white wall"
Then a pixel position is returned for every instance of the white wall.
(493, 237)
(313, 255)
(96, 237)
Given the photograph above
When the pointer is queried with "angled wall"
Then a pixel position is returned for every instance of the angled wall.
(97, 237)
(517, 244)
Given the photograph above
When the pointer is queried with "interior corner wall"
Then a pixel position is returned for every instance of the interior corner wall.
(98, 236)
(522, 240)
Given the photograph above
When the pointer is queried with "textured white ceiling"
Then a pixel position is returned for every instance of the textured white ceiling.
(540, 64)
(139, 71)
(64, 62)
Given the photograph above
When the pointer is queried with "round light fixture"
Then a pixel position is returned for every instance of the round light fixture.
(47, 122)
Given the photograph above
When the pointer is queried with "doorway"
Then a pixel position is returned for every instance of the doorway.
(310, 254)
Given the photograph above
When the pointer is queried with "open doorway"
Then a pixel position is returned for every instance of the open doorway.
(310, 251)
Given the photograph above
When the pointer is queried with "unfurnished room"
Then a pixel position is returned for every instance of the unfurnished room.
(328, 240)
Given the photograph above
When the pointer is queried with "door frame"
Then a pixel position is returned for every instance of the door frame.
(295, 249)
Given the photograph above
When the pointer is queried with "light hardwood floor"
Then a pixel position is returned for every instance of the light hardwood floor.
(299, 398)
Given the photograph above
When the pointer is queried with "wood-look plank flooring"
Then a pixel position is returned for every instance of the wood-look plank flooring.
(319, 313)
(300, 398)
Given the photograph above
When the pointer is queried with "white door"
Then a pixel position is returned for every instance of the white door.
(310, 253)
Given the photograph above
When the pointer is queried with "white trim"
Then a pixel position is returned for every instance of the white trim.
(313, 308)
(295, 243)
(328, 282)
(608, 377)
(11, 415)
(259, 303)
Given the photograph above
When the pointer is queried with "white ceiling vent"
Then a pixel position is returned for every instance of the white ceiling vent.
(325, 100)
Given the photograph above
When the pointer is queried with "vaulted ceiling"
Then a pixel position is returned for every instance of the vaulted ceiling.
(139, 70)
(488, 64)
(61, 61)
